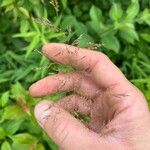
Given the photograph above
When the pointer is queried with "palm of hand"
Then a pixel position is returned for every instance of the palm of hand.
(118, 111)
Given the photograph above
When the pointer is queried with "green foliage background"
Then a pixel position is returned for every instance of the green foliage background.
(122, 27)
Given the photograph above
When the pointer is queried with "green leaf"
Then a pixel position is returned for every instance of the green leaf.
(20, 147)
(24, 25)
(97, 19)
(24, 139)
(147, 65)
(6, 2)
(39, 147)
(18, 92)
(133, 10)
(25, 71)
(6, 146)
(115, 12)
(129, 34)
(79, 27)
(39, 11)
(9, 8)
(3, 80)
(33, 45)
(24, 11)
(145, 16)
(25, 35)
(4, 99)
(35, 25)
(145, 36)
(133, 1)
(64, 3)
(2, 133)
(85, 40)
(35, 2)
(12, 112)
(12, 126)
(96, 14)
(55, 35)
(111, 42)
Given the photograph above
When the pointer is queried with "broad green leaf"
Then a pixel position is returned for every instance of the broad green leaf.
(111, 42)
(98, 27)
(24, 11)
(12, 126)
(64, 3)
(12, 112)
(9, 8)
(145, 16)
(145, 36)
(67, 21)
(2, 133)
(24, 139)
(39, 11)
(97, 19)
(79, 27)
(128, 25)
(116, 12)
(123, 25)
(133, 10)
(6, 2)
(15, 13)
(4, 99)
(20, 147)
(39, 147)
(85, 40)
(129, 34)
(24, 25)
(96, 14)
(5, 146)
(18, 92)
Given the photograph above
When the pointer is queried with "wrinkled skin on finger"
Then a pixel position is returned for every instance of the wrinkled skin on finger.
(119, 115)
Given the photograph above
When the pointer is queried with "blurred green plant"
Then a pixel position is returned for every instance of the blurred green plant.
(121, 29)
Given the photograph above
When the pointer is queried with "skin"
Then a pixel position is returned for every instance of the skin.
(118, 110)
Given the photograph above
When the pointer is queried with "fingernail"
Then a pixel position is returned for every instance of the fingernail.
(32, 89)
(42, 112)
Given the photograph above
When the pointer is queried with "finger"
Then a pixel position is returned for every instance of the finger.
(77, 82)
(104, 72)
(64, 129)
(75, 103)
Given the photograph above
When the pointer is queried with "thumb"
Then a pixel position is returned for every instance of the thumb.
(66, 131)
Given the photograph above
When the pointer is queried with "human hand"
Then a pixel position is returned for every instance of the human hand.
(119, 115)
